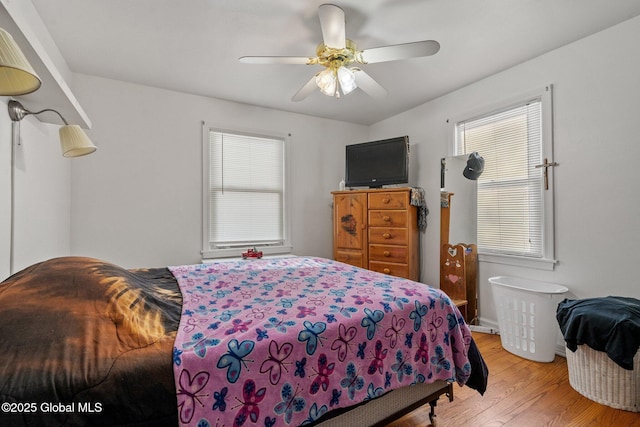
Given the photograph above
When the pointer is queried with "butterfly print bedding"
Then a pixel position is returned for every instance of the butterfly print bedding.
(284, 341)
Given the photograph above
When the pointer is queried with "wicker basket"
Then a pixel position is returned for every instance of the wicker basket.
(595, 376)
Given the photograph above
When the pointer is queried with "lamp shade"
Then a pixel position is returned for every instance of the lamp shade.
(17, 77)
(74, 142)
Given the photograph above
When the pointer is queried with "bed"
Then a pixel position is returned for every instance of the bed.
(292, 341)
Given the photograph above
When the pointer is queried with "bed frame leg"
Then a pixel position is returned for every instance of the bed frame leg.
(432, 412)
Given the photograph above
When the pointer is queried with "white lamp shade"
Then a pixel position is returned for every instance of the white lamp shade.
(74, 142)
(17, 77)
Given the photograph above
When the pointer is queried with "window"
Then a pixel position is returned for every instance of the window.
(244, 196)
(514, 200)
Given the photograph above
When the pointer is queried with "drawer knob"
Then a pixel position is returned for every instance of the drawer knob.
(386, 253)
(386, 218)
(386, 200)
(386, 271)
(386, 235)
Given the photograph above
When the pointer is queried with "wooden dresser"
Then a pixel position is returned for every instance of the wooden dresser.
(377, 229)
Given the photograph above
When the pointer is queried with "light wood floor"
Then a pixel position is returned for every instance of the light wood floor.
(521, 393)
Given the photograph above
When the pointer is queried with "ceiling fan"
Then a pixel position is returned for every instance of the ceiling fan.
(341, 59)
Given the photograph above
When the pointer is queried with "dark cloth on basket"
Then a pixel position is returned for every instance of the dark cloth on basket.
(610, 324)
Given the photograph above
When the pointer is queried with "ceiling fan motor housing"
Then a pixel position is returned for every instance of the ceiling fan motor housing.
(331, 57)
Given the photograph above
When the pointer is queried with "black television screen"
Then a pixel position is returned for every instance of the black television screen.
(377, 163)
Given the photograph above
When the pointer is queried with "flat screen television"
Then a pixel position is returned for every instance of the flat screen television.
(377, 163)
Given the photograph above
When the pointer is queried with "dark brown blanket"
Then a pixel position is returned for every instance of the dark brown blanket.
(84, 342)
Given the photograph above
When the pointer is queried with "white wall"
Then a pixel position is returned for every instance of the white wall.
(5, 189)
(42, 194)
(596, 110)
(136, 202)
(42, 198)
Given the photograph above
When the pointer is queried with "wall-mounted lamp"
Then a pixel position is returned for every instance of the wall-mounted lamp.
(17, 77)
(73, 141)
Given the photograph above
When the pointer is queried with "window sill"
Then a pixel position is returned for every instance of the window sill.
(538, 263)
(237, 252)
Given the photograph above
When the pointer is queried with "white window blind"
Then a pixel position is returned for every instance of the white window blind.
(246, 190)
(510, 210)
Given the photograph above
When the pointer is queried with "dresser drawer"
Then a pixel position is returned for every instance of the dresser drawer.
(388, 200)
(388, 253)
(389, 218)
(399, 270)
(388, 235)
(377, 229)
(352, 258)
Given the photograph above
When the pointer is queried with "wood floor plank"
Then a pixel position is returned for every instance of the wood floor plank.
(520, 393)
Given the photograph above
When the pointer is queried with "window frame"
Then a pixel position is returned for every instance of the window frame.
(545, 95)
(286, 247)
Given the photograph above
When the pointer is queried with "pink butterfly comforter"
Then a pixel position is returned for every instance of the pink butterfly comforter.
(284, 341)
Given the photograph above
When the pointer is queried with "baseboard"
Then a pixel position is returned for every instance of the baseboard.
(485, 326)
(484, 329)
(561, 350)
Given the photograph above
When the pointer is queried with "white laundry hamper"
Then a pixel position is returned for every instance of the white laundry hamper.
(526, 316)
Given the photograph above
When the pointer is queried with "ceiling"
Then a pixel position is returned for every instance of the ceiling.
(193, 46)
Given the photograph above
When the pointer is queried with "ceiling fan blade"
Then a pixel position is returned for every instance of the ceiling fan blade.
(295, 60)
(400, 51)
(333, 25)
(309, 87)
(368, 85)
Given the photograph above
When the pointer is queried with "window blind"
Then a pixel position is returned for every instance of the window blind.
(246, 184)
(510, 198)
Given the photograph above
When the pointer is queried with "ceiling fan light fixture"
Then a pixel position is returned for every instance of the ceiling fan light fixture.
(327, 82)
(347, 80)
